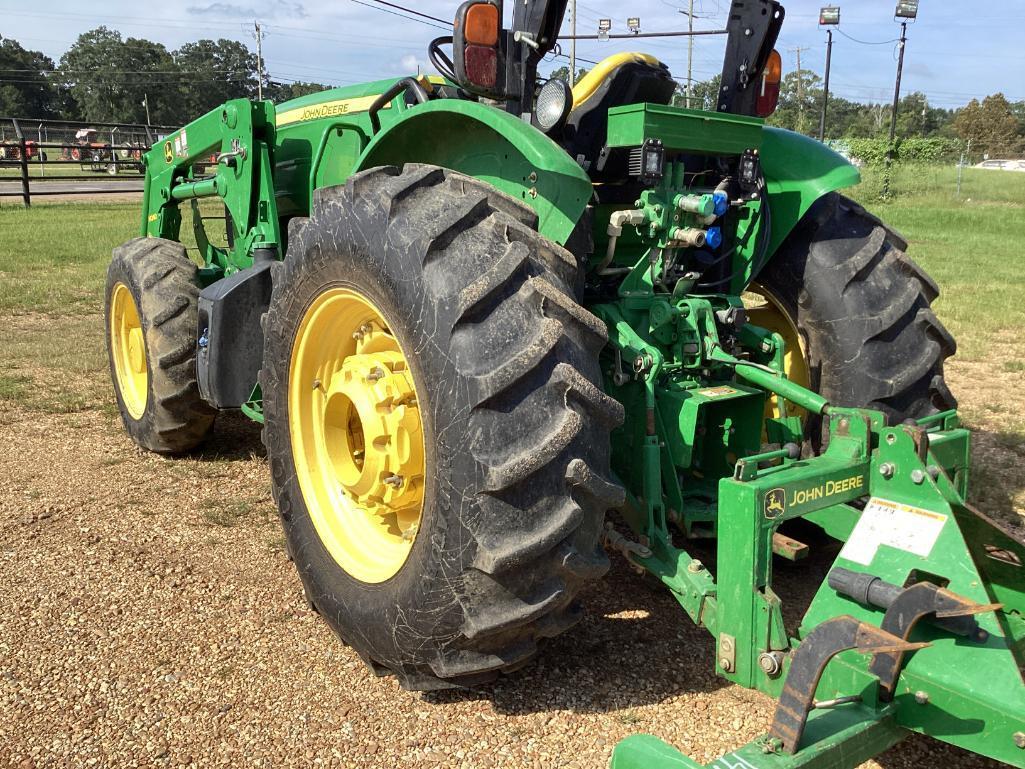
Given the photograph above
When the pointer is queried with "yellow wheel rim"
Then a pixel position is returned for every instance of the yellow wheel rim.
(766, 310)
(357, 438)
(128, 347)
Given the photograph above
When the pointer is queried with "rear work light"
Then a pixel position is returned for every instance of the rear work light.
(768, 94)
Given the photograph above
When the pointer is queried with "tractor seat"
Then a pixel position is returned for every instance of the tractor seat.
(624, 78)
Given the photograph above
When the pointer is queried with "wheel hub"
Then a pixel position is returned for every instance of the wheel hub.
(372, 427)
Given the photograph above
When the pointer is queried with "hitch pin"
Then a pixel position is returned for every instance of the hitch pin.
(240, 152)
(826, 704)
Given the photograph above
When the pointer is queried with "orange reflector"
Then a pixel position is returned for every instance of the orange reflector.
(481, 24)
(768, 94)
(773, 68)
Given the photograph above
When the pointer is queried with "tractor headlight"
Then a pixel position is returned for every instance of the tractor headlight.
(553, 105)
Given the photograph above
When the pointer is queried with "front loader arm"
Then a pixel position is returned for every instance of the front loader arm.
(239, 136)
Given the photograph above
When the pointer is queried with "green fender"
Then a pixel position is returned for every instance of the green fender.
(798, 171)
(492, 146)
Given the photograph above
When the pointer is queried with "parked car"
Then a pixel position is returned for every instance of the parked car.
(1002, 165)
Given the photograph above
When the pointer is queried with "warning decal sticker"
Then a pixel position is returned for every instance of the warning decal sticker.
(901, 526)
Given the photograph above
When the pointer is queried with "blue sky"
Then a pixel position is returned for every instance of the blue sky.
(956, 50)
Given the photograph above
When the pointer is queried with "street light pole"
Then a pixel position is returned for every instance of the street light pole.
(825, 86)
(896, 104)
(829, 16)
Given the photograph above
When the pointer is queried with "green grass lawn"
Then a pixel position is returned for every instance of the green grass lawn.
(972, 246)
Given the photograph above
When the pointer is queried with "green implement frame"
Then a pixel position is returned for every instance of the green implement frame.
(960, 684)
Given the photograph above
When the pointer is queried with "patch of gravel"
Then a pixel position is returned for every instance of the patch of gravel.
(142, 626)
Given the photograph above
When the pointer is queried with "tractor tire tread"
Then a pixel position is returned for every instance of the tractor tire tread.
(525, 357)
(165, 287)
(863, 309)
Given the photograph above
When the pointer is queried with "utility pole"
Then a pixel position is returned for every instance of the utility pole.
(896, 103)
(825, 86)
(690, 50)
(259, 60)
(800, 90)
(573, 46)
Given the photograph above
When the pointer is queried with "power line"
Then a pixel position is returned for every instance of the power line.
(410, 10)
(407, 18)
(867, 42)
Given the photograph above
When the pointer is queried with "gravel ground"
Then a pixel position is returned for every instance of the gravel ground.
(149, 617)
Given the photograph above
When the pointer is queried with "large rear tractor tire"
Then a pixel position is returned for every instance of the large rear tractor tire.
(437, 435)
(151, 317)
(843, 289)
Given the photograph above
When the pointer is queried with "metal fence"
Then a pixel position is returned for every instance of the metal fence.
(50, 157)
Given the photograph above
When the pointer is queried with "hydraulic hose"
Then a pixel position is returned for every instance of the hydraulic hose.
(765, 240)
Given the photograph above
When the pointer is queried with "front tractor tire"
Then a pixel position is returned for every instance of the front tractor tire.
(151, 316)
(436, 431)
(842, 289)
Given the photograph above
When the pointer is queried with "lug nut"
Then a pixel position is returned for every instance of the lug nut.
(394, 480)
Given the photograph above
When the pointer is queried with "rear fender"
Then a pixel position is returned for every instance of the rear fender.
(798, 171)
(492, 146)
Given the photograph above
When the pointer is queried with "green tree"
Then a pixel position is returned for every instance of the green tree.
(281, 92)
(1018, 108)
(800, 102)
(704, 94)
(27, 87)
(212, 73)
(991, 127)
(562, 73)
(109, 78)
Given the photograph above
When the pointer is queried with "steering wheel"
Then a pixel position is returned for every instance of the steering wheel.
(440, 59)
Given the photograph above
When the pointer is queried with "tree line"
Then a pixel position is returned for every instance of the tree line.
(104, 77)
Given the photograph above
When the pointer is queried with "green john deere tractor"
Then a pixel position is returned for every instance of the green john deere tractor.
(475, 314)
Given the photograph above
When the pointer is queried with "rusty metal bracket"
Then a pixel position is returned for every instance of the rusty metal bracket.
(822, 644)
(921, 600)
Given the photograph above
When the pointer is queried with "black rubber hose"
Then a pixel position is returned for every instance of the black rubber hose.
(766, 240)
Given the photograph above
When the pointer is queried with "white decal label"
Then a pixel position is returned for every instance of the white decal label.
(904, 527)
(717, 392)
